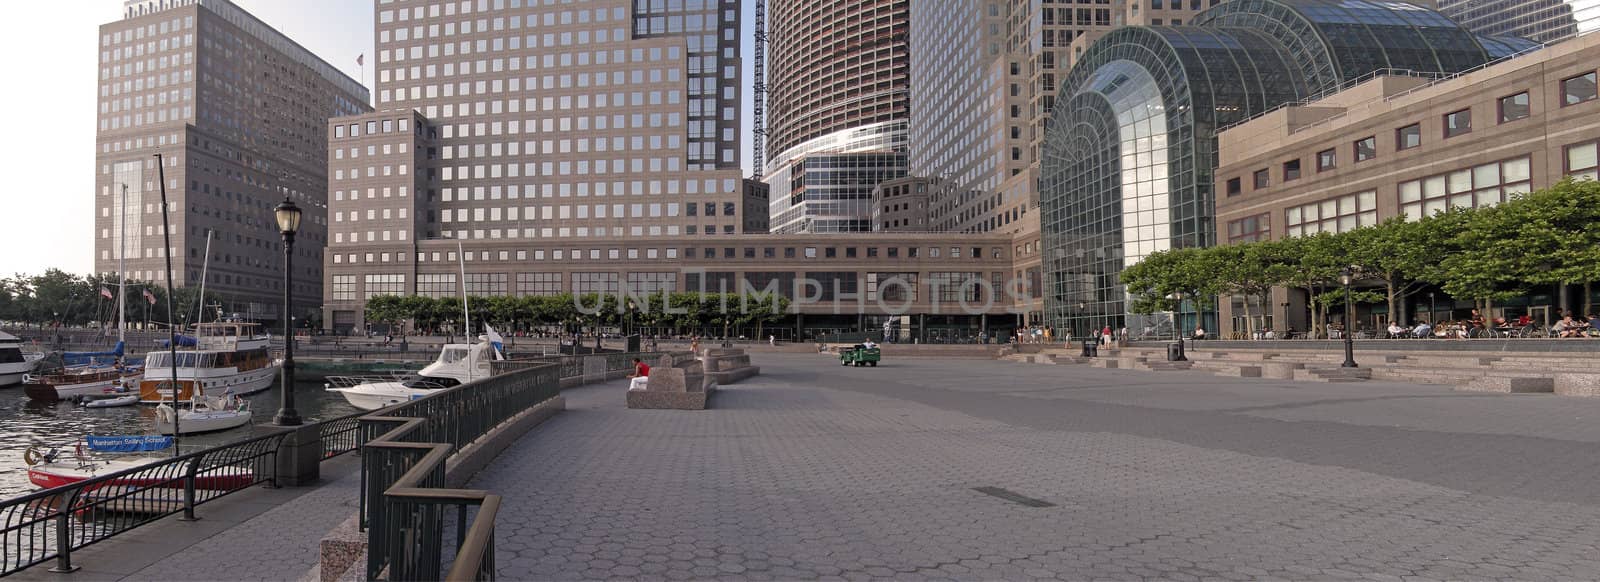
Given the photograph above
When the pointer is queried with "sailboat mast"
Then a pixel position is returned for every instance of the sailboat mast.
(122, 271)
(166, 234)
(205, 269)
(466, 314)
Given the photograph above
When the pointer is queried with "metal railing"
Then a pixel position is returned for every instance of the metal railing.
(403, 496)
(340, 435)
(51, 524)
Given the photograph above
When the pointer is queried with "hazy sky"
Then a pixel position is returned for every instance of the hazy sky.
(48, 212)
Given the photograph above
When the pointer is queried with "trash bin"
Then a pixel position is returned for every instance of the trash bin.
(1090, 349)
(1175, 352)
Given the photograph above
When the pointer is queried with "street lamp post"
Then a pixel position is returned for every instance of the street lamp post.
(1430, 308)
(1177, 326)
(1349, 340)
(288, 216)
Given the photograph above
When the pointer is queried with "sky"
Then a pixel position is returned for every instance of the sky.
(49, 206)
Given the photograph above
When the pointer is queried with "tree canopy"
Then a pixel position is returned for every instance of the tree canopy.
(1488, 254)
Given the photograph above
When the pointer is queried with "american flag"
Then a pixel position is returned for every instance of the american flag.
(361, 59)
(104, 292)
(148, 296)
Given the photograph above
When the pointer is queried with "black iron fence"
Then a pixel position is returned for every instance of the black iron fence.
(404, 502)
(51, 524)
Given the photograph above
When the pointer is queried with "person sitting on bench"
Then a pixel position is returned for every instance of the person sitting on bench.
(640, 376)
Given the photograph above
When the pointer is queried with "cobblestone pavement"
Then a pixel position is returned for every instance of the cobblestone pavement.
(817, 471)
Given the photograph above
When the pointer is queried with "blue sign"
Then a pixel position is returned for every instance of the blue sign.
(128, 444)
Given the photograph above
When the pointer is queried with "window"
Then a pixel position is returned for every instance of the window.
(1250, 228)
(437, 286)
(1582, 161)
(1457, 123)
(1366, 148)
(1291, 170)
(594, 283)
(1234, 187)
(485, 284)
(1578, 89)
(652, 283)
(344, 287)
(1262, 180)
(955, 286)
(385, 285)
(1514, 107)
(1341, 214)
(1408, 137)
(1327, 159)
(892, 287)
(1475, 187)
(538, 284)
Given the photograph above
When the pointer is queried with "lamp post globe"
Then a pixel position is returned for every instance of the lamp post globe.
(1345, 277)
(288, 217)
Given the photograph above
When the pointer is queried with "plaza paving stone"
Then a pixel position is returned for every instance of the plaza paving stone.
(813, 470)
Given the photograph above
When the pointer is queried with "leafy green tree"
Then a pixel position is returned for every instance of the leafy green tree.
(1486, 259)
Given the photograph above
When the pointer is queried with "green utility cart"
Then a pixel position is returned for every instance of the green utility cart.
(859, 355)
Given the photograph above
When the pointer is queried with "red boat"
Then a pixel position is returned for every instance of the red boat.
(67, 472)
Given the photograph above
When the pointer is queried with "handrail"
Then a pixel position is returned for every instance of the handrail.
(51, 524)
(404, 495)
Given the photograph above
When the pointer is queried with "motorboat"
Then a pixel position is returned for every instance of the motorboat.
(15, 363)
(226, 357)
(204, 414)
(456, 364)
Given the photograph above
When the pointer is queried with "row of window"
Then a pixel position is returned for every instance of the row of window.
(1475, 187)
(953, 252)
(943, 286)
(1574, 90)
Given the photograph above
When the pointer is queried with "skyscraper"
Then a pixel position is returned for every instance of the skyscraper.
(838, 102)
(1544, 21)
(506, 122)
(238, 111)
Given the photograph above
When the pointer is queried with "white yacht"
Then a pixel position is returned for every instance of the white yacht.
(14, 363)
(457, 364)
(227, 358)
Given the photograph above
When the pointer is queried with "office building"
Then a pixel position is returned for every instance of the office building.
(238, 112)
(837, 96)
(1131, 151)
(1405, 146)
(901, 205)
(514, 123)
(1542, 21)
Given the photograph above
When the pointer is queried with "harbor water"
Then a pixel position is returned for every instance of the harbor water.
(24, 423)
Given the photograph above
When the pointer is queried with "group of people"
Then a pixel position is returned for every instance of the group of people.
(1476, 325)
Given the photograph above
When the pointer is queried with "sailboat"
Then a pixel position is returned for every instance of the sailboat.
(95, 379)
(204, 414)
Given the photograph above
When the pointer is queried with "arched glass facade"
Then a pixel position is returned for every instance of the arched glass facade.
(1130, 151)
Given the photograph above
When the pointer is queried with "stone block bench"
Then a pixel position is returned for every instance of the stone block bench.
(1510, 384)
(685, 386)
(728, 365)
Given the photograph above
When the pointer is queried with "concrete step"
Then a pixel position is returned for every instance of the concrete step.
(1333, 374)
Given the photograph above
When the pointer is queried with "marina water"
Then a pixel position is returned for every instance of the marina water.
(24, 423)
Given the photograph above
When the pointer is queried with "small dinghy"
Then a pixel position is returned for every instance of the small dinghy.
(124, 400)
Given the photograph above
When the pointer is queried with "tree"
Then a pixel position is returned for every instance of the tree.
(1486, 259)
(1556, 242)
(1399, 253)
(387, 309)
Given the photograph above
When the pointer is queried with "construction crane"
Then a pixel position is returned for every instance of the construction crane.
(758, 125)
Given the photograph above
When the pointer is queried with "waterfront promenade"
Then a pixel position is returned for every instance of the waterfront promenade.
(814, 470)
(978, 469)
